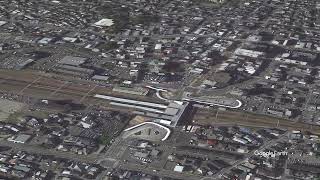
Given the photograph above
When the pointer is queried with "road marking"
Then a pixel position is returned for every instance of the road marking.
(34, 81)
(86, 95)
(57, 90)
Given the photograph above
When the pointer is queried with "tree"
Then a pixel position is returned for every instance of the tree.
(104, 139)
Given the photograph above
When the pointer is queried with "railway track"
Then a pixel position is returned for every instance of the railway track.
(48, 86)
(211, 117)
(45, 86)
(42, 86)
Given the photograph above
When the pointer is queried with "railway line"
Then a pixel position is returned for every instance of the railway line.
(52, 91)
(214, 117)
(53, 88)
(43, 86)
(47, 87)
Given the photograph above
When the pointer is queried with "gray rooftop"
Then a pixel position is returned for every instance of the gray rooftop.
(72, 60)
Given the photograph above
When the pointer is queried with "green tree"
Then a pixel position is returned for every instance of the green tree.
(104, 139)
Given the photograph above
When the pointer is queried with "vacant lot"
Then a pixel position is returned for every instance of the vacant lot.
(9, 108)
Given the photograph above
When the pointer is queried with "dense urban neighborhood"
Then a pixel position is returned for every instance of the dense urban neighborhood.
(160, 89)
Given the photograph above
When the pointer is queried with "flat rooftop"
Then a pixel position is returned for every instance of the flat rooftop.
(72, 60)
(130, 101)
(216, 101)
